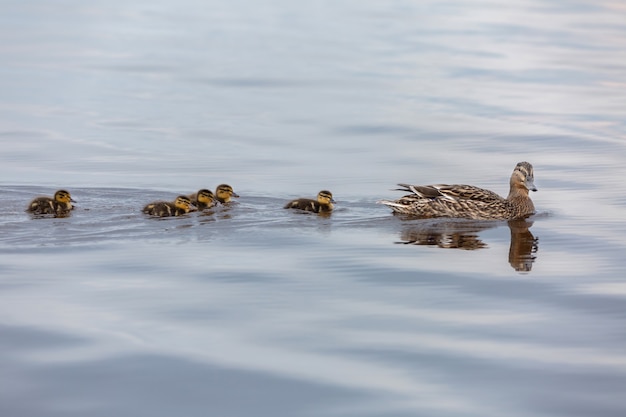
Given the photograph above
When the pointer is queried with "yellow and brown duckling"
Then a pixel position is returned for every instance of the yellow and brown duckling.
(182, 205)
(59, 205)
(203, 199)
(224, 193)
(323, 203)
(468, 201)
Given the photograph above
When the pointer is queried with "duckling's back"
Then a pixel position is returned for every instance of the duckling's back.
(308, 204)
(47, 205)
(42, 205)
(163, 209)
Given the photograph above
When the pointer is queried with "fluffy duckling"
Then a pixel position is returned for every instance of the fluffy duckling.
(60, 204)
(224, 192)
(182, 205)
(323, 204)
(203, 199)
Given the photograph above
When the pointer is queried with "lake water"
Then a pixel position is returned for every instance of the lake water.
(252, 310)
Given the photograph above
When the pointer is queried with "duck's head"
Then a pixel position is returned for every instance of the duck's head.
(183, 202)
(224, 192)
(205, 196)
(523, 177)
(63, 196)
(325, 197)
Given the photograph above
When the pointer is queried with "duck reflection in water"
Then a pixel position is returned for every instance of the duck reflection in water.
(524, 246)
(452, 234)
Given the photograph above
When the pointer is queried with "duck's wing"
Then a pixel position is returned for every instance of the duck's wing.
(306, 204)
(469, 192)
(42, 205)
(159, 208)
(450, 192)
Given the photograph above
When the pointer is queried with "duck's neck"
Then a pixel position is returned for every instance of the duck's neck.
(517, 192)
(519, 197)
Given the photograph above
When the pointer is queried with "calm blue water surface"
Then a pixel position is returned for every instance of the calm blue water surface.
(252, 310)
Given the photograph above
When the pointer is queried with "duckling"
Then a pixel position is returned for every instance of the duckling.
(60, 204)
(203, 199)
(182, 205)
(323, 204)
(224, 192)
(468, 201)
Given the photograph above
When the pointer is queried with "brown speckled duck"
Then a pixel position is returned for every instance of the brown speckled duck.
(467, 201)
(182, 205)
(203, 199)
(60, 204)
(224, 192)
(323, 203)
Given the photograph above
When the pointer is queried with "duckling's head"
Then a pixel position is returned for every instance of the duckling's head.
(325, 197)
(63, 196)
(224, 192)
(205, 196)
(182, 202)
(523, 177)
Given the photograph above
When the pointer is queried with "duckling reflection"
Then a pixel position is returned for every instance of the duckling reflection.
(466, 235)
(60, 205)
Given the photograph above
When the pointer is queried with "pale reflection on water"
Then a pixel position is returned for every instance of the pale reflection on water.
(255, 310)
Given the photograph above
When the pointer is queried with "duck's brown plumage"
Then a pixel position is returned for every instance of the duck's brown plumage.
(468, 201)
(323, 203)
(180, 206)
(60, 204)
